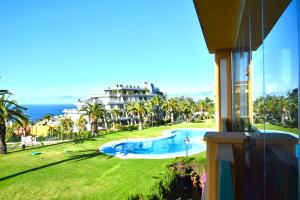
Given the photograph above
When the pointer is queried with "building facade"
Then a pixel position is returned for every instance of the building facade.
(116, 97)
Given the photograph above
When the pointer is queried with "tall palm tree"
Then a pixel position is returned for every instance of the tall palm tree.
(281, 108)
(203, 107)
(158, 106)
(115, 117)
(9, 111)
(149, 111)
(139, 108)
(94, 111)
(186, 107)
(171, 105)
(157, 100)
(130, 110)
(104, 116)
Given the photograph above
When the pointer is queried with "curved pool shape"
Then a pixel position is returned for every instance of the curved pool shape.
(170, 145)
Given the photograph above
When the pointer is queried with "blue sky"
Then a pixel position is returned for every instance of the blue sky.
(280, 55)
(56, 51)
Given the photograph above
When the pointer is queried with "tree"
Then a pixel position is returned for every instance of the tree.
(158, 105)
(9, 111)
(94, 111)
(206, 107)
(171, 105)
(81, 124)
(104, 115)
(130, 110)
(66, 125)
(139, 108)
(149, 111)
(115, 117)
(48, 117)
(186, 106)
(292, 107)
(278, 110)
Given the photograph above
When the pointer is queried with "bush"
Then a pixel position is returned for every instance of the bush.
(197, 119)
(11, 136)
(126, 127)
(108, 131)
(159, 123)
(41, 139)
(167, 121)
(161, 188)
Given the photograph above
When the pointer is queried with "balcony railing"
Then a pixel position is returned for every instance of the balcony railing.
(251, 166)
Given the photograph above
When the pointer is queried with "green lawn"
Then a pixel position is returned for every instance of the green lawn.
(76, 170)
(278, 128)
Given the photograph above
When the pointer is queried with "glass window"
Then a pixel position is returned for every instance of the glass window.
(265, 95)
(223, 82)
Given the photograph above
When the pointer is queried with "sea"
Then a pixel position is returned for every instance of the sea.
(36, 112)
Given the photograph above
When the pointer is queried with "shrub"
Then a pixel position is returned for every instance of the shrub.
(118, 126)
(197, 119)
(128, 128)
(85, 134)
(108, 131)
(11, 136)
(167, 121)
(161, 188)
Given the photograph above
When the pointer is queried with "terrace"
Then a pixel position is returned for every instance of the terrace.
(242, 161)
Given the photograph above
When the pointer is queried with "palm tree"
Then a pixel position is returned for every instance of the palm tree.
(203, 107)
(281, 109)
(66, 125)
(157, 100)
(81, 124)
(104, 115)
(158, 106)
(9, 111)
(48, 117)
(130, 110)
(115, 117)
(139, 108)
(149, 111)
(94, 111)
(186, 107)
(171, 104)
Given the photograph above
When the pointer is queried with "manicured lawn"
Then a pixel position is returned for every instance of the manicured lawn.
(76, 170)
(277, 128)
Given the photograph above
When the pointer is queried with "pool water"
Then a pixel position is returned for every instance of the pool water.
(171, 144)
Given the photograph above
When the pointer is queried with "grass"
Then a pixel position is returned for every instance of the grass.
(76, 170)
(277, 128)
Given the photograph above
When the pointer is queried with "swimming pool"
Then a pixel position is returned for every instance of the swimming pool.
(169, 145)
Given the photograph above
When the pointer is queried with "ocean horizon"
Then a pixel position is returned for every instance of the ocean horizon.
(37, 111)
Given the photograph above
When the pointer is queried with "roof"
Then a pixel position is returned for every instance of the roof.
(221, 21)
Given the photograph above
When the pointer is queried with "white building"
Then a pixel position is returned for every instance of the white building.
(116, 97)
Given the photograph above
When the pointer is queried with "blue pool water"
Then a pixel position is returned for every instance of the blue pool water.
(170, 145)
